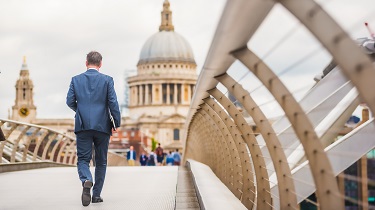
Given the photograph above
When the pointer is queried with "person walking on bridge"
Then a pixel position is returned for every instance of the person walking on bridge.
(131, 156)
(159, 155)
(93, 98)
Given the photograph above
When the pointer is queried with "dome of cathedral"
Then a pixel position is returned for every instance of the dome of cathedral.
(166, 46)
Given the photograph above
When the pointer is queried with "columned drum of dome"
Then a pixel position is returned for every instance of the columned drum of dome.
(161, 92)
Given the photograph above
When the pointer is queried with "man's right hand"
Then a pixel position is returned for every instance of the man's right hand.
(114, 131)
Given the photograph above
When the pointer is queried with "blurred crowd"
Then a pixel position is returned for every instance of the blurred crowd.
(157, 157)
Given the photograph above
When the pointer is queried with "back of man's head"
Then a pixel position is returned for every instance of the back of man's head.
(94, 58)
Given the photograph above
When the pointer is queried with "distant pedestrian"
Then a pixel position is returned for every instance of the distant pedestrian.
(170, 159)
(151, 159)
(143, 159)
(176, 158)
(159, 155)
(131, 156)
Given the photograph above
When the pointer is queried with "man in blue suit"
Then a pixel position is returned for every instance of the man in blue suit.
(92, 96)
(131, 156)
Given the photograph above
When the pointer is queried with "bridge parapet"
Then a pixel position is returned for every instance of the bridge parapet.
(33, 143)
(269, 169)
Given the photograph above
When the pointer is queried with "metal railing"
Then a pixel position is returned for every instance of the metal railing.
(292, 157)
(32, 143)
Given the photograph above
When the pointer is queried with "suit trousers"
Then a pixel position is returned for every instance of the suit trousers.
(131, 162)
(85, 140)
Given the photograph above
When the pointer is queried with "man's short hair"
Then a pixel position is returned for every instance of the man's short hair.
(94, 58)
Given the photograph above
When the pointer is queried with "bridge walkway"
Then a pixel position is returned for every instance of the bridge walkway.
(125, 188)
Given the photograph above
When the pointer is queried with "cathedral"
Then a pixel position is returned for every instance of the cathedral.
(161, 92)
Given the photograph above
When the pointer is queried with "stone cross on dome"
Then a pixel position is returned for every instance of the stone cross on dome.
(166, 18)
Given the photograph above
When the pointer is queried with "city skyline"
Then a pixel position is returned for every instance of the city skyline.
(56, 36)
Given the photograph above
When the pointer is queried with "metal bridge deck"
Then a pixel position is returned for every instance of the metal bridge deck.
(59, 188)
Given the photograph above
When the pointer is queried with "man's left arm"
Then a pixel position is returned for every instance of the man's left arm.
(113, 104)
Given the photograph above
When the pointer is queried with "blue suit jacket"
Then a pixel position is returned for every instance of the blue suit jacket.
(134, 155)
(91, 94)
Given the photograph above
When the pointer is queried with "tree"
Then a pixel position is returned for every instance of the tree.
(153, 144)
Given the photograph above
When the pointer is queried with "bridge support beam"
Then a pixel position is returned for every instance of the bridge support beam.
(28, 142)
(16, 142)
(215, 153)
(287, 197)
(248, 186)
(325, 181)
(209, 131)
(231, 152)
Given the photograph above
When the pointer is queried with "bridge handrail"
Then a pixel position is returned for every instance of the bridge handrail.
(212, 193)
(37, 126)
(19, 136)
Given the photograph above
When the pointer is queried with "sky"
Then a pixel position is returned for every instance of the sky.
(55, 37)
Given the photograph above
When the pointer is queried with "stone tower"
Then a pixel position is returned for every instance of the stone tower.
(24, 109)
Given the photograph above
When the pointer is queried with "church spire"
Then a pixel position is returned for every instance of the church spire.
(24, 69)
(24, 64)
(166, 18)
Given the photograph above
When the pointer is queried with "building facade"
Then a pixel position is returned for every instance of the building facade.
(161, 91)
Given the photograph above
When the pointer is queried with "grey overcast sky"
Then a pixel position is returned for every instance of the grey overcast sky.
(55, 36)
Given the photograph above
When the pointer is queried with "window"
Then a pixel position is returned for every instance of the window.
(171, 93)
(164, 93)
(149, 93)
(143, 94)
(176, 134)
(191, 90)
(179, 93)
